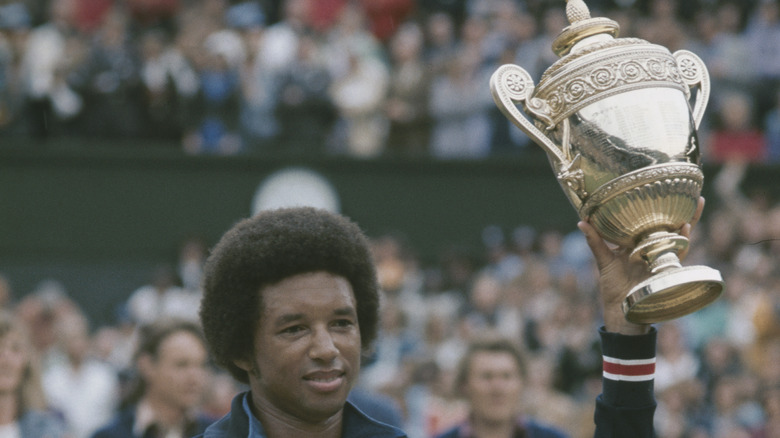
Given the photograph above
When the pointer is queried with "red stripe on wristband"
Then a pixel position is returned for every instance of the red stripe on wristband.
(629, 370)
(635, 370)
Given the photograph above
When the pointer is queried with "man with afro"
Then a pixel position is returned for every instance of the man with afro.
(290, 303)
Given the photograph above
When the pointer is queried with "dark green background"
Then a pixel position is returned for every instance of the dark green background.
(99, 219)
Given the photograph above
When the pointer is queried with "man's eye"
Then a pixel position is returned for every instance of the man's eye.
(344, 323)
(293, 329)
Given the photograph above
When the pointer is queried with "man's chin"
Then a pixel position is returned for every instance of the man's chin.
(323, 411)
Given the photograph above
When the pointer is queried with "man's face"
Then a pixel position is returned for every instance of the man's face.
(493, 386)
(177, 375)
(306, 347)
(14, 359)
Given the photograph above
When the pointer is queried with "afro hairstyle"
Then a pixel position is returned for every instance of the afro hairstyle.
(267, 248)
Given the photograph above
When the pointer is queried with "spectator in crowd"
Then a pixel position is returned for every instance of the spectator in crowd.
(109, 82)
(490, 376)
(192, 256)
(719, 359)
(456, 10)
(770, 398)
(678, 414)
(6, 292)
(169, 83)
(537, 54)
(279, 45)
(441, 40)
(217, 106)
(24, 412)
(662, 25)
(51, 53)
(484, 310)
(772, 129)
(736, 138)
(15, 25)
(304, 100)
(391, 350)
(762, 32)
(83, 389)
(385, 17)
(543, 401)
(153, 14)
(406, 106)
(171, 365)
(162, 297)
(675, 362)
(41, 310)
(460, 107)
(722, 45)
(359, 86)
(259, 89)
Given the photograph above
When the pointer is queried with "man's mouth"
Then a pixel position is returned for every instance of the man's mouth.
(325, 381)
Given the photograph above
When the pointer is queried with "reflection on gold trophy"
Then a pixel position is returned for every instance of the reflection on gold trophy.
(614, 116)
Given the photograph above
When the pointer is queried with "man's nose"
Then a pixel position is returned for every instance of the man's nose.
(323, 346)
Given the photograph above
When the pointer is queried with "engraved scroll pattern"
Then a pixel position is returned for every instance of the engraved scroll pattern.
(576, 91)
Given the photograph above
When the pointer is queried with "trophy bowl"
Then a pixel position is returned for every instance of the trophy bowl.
(616, 119)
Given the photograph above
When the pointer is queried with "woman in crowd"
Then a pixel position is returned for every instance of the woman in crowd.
(23, 410)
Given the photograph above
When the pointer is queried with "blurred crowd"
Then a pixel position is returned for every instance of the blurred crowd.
(365, 78)
(717, 369)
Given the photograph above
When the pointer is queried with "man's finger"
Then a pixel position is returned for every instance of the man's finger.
(598, 247)
(697, 214)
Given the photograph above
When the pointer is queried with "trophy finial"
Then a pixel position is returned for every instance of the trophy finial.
(581, 26)
(576, 10)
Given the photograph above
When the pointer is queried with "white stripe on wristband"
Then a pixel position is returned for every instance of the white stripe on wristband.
(630, 370)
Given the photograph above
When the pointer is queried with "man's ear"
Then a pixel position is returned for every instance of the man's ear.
(244, 364)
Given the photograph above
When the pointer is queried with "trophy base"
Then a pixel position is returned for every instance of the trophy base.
(672, 293)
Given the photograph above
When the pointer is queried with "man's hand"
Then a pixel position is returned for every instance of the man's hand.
(617, 275)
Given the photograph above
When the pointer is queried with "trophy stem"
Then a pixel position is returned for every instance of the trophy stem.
(659, 250)
(671, 291)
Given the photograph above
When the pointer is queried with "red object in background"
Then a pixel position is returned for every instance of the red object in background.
(385, 16)
(324, 13)
(88, 14)
(745, 146)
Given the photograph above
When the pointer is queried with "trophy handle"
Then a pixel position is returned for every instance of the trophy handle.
(511, 85)
(694, 72)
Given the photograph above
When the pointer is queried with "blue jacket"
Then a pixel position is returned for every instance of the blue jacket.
(356, 424)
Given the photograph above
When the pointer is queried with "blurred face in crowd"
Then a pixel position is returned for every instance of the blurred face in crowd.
(178, 374)
(306, 348)
(74, 335)
(493, 386)
(14, 357)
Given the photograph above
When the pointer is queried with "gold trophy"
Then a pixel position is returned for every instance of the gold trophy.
(614, 116)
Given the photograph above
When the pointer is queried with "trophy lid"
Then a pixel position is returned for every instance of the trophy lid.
(594, 64)
(581, 27)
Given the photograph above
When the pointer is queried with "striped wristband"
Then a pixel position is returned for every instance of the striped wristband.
(628, 370)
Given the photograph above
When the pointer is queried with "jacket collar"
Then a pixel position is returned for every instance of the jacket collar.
(356, 424)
